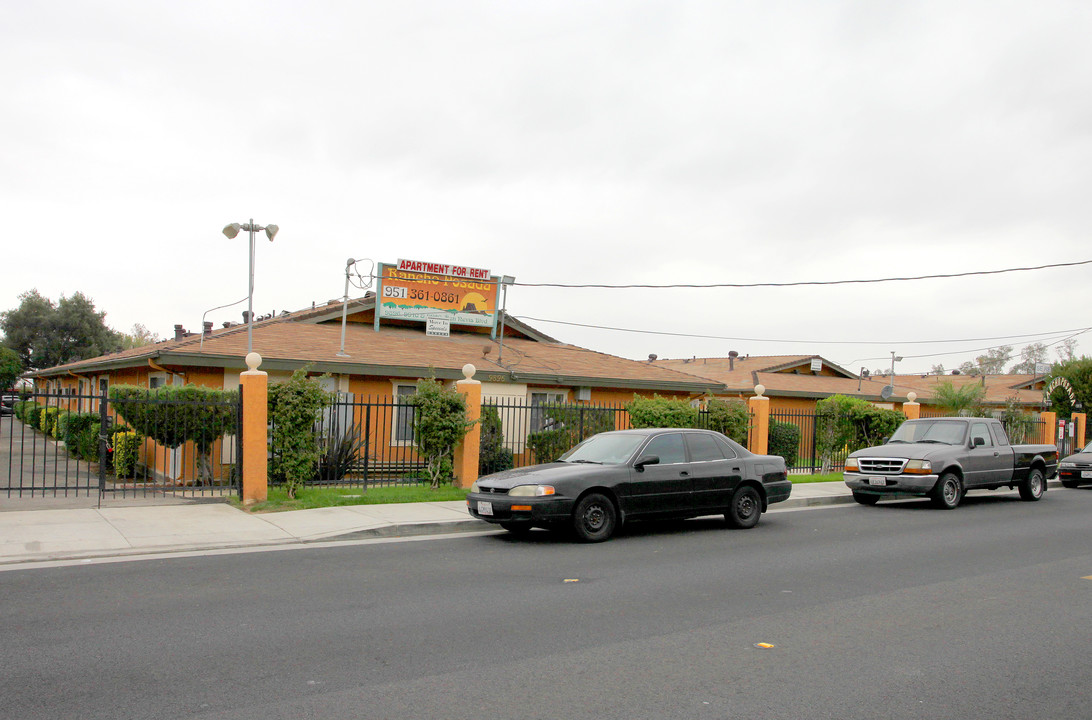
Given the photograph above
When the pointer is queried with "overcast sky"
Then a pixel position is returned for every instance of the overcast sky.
(566, 142)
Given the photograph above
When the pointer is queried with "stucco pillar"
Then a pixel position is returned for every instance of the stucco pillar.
(759, 437)
(911, 408)
(1079, 438)
(466, 453)
(254, 384)
(1050, 428)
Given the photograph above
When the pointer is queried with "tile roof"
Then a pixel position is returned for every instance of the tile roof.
(404, 352)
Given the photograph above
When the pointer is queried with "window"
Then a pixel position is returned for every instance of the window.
(703, 448)
(1000, 436)
(669, 448)
(539, 420)
(403, 414)
(979, 430)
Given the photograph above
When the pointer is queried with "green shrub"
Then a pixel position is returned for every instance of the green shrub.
(492, 455)
(81, 433)
(173, 415)
(567, 425)
(294, 409)
(439, 424)
(19, 409)
(46, 419)
(60, 426)
(126, 452)
(844, 424)
(784, 440)
(339, 454)
(659, 412)
(729, 417)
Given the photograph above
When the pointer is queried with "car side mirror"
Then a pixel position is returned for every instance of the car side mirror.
(978, 441)
(647, 460)
(884, 440)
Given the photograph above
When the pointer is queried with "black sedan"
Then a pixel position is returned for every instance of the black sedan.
(1076, 469)
(614, 477)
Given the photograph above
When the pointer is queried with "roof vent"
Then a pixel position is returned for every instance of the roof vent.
(732, 355)
(652, 357)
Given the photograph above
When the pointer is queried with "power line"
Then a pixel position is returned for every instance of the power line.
(801, 342)
(805, 282)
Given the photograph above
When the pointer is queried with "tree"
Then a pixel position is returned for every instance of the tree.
(992, 363)
(937, 370)
(10, 367)
(1079, 374)
(960, 400)
(138, 336)
(1030, 356)
(439, 424)
(1067, 350)
(45, 335)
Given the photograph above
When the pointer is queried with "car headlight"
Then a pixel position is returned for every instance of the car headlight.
(531, 490)
(851, 464)
(474, 487)
(1067, 465)
(919, 467)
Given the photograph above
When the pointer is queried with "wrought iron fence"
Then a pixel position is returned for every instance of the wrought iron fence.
(517, 432)
(362, 442)
(66, 444)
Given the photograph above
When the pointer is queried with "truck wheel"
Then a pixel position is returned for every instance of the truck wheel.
(866, 498)
(1033, 486)
(948, 492)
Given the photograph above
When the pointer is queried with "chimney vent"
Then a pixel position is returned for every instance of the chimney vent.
(732, 355)
(207, 330)
(179, 332)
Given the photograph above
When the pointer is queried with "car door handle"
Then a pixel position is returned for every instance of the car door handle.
(683, 473)
(996, 454)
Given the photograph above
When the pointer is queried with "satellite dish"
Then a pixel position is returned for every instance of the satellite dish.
(887, 392)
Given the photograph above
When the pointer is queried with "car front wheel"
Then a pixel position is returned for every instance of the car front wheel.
(746, 508)
(594, 518)
(1033, 486)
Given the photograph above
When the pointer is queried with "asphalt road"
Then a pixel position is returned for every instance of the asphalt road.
(896, 611)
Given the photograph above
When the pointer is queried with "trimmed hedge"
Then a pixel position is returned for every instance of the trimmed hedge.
(126, 452)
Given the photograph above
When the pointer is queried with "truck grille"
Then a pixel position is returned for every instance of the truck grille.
(881, 465)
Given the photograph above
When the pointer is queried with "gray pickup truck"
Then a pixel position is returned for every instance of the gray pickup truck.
(945, 457)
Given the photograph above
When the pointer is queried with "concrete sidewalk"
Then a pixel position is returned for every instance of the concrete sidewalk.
(74, 532)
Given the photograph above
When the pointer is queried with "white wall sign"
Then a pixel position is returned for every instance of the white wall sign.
(438, 327)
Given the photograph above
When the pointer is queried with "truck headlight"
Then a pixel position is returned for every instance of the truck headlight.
(918, 467)
(851, 464)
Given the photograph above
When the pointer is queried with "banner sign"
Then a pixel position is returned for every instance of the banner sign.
(413, 290)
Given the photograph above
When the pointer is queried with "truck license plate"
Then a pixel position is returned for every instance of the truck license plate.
(485, 508)
(877, 481)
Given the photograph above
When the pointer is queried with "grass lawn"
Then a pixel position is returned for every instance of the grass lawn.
(334, 497)
(319, 497)
(829, 477)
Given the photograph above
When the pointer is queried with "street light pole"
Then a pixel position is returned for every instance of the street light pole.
(231, 231)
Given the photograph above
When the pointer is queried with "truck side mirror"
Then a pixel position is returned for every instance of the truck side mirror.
(978, 441)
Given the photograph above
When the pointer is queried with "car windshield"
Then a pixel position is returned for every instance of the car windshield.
(604, 449)
(948, 432)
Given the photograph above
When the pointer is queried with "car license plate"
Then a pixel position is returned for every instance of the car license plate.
(877, 481)
(485, 508)
(1086, 474)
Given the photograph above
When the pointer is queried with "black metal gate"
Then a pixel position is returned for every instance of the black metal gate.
(66, 445)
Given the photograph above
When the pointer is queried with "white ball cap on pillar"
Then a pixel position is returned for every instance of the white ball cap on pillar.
(253, 361)
(759, 389)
